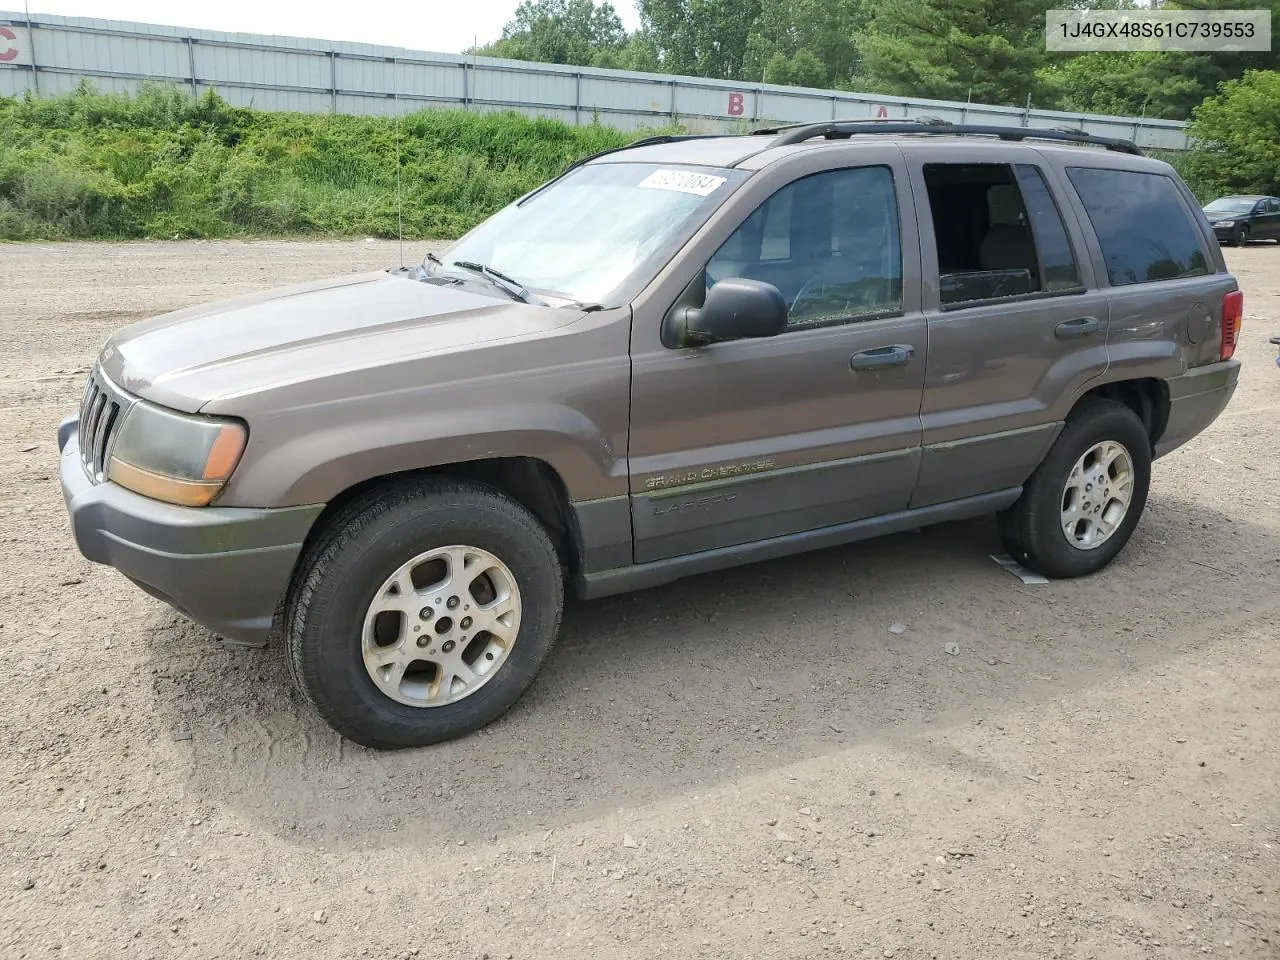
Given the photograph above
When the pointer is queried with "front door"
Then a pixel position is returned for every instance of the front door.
(1017, 325)
(747, 440)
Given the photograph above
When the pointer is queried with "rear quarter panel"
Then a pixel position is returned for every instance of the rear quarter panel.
(1158, 329)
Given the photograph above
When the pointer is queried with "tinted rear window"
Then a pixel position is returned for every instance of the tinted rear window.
(1142, 224)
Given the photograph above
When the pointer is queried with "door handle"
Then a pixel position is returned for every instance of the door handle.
(1079, 327)
(898, 355)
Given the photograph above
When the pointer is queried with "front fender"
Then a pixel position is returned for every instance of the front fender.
(322, 464)
(562, 399)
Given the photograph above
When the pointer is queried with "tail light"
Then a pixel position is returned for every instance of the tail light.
(1232, 319)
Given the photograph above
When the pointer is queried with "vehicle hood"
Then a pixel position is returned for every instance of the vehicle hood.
(213, 352)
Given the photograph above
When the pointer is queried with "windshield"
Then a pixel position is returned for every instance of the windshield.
(1230, 205)
(599, 234)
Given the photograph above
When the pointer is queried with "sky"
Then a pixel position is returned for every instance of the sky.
(443, 26)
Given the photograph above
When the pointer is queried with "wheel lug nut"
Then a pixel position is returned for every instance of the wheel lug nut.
(426, 613)
(447, 646)
(452, 603)
(423, 641)
(466, 623)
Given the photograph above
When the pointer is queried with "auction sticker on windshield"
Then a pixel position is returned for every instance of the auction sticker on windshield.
(699, 184)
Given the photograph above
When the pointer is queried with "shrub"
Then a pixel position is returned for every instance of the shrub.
(163, 164)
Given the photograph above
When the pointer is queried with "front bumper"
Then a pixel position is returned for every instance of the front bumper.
(1224, 233)
(224, 567)
(1195, 400)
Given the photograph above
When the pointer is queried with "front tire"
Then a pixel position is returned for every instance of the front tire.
(1240, 237)
(423, 612)
(1083, 502)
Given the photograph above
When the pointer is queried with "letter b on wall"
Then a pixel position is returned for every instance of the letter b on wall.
(736, 104)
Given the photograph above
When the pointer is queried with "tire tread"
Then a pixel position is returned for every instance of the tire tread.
(1034, 540)
(347, 529)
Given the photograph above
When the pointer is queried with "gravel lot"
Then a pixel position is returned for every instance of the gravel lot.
(748, 764)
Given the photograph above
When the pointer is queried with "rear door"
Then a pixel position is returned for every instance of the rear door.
(1269, 219)
(1017, 326)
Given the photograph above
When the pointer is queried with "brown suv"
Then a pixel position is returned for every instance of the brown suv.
(688, 354)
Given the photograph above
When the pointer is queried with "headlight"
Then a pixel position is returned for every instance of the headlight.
(175, 457)
(1225, 223)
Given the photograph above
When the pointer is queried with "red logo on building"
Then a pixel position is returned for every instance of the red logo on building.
(8, 51)
(736, 104)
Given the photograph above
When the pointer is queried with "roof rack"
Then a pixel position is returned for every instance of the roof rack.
(841, 129)
(642, 142)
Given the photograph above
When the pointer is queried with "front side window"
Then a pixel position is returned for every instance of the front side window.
(998, 232)
(599, 234)
(1143, 227)
(829, 242)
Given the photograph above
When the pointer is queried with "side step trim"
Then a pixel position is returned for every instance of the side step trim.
(643, 575)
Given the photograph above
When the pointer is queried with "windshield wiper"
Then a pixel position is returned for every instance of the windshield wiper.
(512, 287)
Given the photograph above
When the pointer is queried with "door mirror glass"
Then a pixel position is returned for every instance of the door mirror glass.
(735, 309)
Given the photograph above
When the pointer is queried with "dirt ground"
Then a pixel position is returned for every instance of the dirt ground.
(748, 764)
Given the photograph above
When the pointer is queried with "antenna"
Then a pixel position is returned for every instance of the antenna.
(395, 86)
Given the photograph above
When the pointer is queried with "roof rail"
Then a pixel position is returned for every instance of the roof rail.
(642, 142)
(840, 129)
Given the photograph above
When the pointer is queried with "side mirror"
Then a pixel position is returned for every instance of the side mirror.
(735, 309)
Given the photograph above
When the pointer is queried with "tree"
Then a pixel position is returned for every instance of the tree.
(986, 50)
(640, 52)
(802, 70)
(705, 38)
(1167, 84)
(1236, 137)
(806, 42)
(1152, 84)
(561, 31)
(822, 29)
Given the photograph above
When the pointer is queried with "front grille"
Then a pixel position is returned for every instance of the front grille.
(100, 417)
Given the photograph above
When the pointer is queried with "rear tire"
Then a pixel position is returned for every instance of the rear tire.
(1059, 529)
(356, 595)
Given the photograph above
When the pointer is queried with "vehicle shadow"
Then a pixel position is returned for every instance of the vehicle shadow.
(684, 686)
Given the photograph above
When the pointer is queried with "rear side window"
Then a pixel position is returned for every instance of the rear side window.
(1057, 260)
(998, 232)
(1143, 226)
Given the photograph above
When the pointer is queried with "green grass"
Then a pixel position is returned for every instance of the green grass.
(162, 164)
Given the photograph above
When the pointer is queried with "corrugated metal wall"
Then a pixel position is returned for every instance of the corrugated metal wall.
(52, 54)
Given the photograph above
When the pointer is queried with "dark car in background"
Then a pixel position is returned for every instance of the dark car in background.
(1237, 220)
